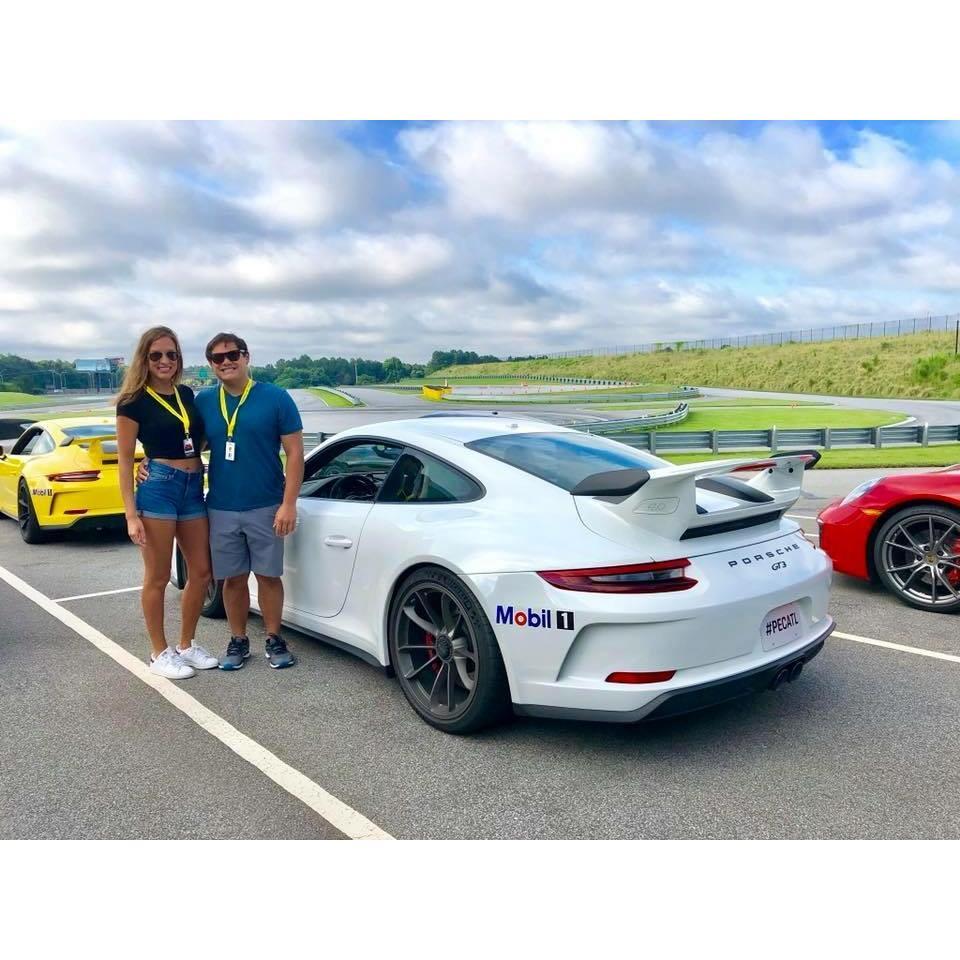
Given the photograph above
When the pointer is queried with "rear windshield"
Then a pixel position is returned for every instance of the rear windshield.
(563, 458)
(90, 430)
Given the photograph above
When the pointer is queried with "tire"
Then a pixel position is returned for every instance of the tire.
(453, 677)
(27, 521)
(921, 577)
(213, 608)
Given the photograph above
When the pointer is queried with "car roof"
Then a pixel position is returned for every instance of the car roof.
(459, 429)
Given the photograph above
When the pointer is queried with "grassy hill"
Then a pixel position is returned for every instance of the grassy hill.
(922, 365)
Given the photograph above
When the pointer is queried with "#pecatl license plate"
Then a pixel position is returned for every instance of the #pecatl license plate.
(781, 625)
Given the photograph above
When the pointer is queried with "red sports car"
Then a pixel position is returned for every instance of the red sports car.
(902, 531)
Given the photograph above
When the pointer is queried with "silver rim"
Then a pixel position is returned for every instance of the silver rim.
(436, 651)
(921, 557)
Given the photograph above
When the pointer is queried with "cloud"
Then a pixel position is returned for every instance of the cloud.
(350, 264)
(500, 237)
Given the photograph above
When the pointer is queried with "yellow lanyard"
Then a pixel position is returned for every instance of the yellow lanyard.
(182, 416)
(232, 421)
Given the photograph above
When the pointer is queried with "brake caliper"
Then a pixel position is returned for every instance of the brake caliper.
(953, 574)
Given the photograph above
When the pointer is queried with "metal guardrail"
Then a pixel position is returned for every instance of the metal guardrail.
(677, 415)
(311, 440)
(354, 402)
(773, 439)
(717, 441)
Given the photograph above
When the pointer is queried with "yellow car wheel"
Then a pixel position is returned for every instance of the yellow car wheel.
(30, 528)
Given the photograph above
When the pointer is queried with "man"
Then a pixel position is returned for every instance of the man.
(251, 506)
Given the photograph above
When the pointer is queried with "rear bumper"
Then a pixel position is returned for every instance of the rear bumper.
(695, 697)
(106, 521)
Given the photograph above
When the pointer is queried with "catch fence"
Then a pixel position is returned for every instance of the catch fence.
(949, 323)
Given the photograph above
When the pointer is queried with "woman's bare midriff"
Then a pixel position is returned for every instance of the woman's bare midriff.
(190, 464)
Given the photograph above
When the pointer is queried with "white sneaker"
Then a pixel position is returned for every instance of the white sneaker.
(198, 658)
(170, 665)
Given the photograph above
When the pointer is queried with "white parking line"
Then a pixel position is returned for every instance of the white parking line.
(919, 651)
(102, 593)
(347, 820)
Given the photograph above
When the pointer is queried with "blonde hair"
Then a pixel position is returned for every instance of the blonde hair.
(135, 379)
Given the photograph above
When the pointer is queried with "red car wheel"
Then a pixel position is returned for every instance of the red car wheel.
(917, 557)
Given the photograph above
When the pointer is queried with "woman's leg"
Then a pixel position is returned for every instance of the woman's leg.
(193, 536)
(157, 552)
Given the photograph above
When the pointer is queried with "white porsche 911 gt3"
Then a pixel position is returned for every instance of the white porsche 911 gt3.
(493, 563)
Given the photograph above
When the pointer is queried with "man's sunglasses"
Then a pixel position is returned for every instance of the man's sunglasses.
(232, 355)
(155, 355)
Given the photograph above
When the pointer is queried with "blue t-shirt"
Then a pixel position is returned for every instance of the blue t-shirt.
(254, 478)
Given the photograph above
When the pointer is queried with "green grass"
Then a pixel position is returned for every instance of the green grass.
(27, 400)
(784, 417)
(332, 399)
(936, 456)
(921, 365)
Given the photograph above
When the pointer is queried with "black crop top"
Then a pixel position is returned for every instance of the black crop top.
(160, 432)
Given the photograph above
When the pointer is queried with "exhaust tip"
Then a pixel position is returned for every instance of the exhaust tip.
(795, 671)
(780, 678)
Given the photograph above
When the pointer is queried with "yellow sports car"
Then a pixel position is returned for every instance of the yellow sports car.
(61, 474)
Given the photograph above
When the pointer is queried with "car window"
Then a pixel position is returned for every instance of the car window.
(564, 459)
(420, 478)
(24, 446)
(44, 444)
(353, 471)
(366, 457)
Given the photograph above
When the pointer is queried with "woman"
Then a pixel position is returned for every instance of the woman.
(155, 409)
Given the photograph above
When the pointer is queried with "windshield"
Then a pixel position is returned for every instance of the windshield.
(564, 459)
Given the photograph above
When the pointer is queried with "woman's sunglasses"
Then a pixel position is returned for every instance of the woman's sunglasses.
(232, 355)
(154, 355)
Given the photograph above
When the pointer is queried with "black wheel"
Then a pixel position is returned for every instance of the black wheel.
(917, 557)
(30, 528)
(445, 654)
(213, 607)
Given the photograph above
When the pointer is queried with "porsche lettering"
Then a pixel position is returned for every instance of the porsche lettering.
(766, 555)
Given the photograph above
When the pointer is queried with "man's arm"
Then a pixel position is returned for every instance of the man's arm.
(286, 517)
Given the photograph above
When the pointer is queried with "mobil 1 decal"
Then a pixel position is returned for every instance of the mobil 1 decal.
(528, 617)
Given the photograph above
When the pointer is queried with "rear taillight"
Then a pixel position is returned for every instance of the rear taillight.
(74, 476)
(660, 577)
(630, 676)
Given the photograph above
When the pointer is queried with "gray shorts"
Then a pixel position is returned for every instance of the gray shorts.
(242, 541)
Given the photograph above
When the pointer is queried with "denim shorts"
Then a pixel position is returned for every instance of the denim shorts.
(169, 493)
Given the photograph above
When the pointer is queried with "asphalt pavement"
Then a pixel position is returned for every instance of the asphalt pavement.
(862, 745)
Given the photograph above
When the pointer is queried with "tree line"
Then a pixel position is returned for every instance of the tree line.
(19, 375)
(38, 376)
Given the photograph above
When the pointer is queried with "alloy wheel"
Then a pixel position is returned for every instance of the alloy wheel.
(920, 556)
(436, 650)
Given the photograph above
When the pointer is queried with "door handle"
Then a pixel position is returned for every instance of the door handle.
(338, 541)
